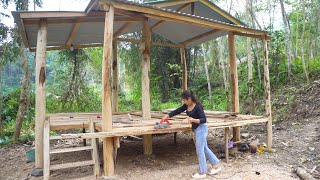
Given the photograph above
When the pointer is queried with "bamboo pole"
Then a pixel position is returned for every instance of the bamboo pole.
(106, 92)
(40, 112)
(115, 77)
(234, 82)
(146, 109)
(184, 69)
(267, 94)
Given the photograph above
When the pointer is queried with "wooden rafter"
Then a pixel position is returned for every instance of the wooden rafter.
(122, 29)
(32, 22)
(221, 12)
(173, 3)
(130, 14)
(252, 35)
(158, 24)
(201, 36)
(160, 14)
(73, 32)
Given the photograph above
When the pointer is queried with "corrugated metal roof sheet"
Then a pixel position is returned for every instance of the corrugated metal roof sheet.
(92, 32)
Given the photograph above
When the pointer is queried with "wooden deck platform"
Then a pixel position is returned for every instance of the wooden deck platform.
(131, 123)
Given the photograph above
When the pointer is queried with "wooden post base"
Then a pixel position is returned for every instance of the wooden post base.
(147, 144)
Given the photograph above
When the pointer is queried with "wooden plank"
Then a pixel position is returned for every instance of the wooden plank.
(176, 17)
(226, 140)
(184, 69)
(73, 32)
(46, 149)
(94, 152)
(252, 35)
(131, 14)
(122, 29)
(115, 75)
(40, 112)
(172, 3)
(47, 14)
(167, 44)
(201, 36)
(267, 96)
(158, 24)
(221, 12)
(234, 82)
(145, 78)
(73, 149)
(106, 93)
(71, 165)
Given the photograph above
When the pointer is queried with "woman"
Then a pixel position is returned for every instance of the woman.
(198, 120)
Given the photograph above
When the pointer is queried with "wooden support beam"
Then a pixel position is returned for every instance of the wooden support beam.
(221, 12)
(167, 44)
(40, 111)
(175, 17)
(252, 35)
(267, 93)
(158, 24)
(73, 32)
(115, 76)
(46, 149)
(210, 33)
(234, 82)
(172, 3)
(226, 140)
(184, 69)
(106, 93)
(146, 107)
(122, 29)
(131, 14)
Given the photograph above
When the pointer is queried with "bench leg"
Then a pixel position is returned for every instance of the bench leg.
(226, 136)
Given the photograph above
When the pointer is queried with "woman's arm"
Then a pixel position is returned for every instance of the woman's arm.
(176, 112)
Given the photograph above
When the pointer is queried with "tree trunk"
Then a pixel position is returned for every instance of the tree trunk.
(302, 44)
(297, 33)
(23, 95)
(224, 74)
(29, 87)
(205, 59)
(315, 52)
(1, 99)
(287, 37)
(249, 59)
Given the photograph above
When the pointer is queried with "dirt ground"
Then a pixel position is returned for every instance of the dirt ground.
(297, 144)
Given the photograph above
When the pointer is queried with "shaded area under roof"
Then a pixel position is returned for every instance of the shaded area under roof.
(90, 26)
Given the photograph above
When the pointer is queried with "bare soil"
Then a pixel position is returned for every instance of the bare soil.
(297, 144)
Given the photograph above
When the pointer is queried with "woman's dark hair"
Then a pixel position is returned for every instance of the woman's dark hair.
(189, 94)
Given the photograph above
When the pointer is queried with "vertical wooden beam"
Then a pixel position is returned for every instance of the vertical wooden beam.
(267, 96)
(46, 149)
(184, 69)
(234, 82)
(226, 140)
(40, 113)
(146, 108)
(115, 76)
(106, 92)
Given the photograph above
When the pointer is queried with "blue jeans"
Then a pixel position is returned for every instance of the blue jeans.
(203, 151)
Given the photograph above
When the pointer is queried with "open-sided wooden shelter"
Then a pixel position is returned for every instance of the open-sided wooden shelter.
(186, 23)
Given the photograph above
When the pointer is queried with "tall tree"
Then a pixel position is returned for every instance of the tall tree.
(205, 59)
(316, 35)
(287, 40)
(302, 40)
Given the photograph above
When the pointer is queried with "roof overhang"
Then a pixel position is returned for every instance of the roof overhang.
(85, 29)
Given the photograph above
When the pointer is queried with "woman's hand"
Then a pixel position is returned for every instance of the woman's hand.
(192, 120)
(166, 117)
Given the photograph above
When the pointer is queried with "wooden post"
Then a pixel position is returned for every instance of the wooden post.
(115, 76)
(46, 149)
(184, 69)
(40, 113)
(234, 83)
(226, 139)
(146, 109)
(267, 93)
(106, 91)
